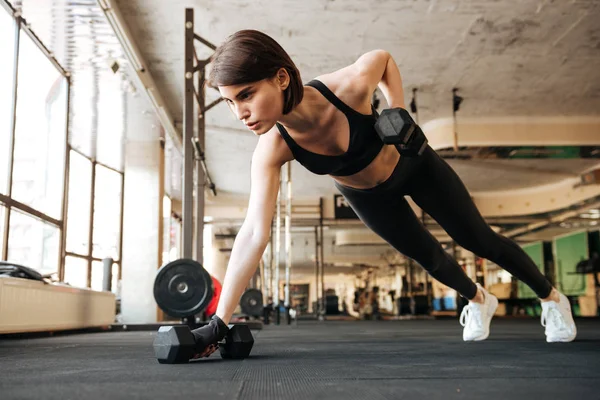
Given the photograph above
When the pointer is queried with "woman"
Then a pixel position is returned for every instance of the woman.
(327, 126)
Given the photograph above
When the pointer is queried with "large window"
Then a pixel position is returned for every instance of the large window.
(110, 121)
(82, 111)
(40, 131)
(7, 74)
(107, 213)
(38, 134)
(80, 194)
(76, 271)
(33, 243)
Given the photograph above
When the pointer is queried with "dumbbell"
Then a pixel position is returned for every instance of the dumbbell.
(395, 126)
(176, 345)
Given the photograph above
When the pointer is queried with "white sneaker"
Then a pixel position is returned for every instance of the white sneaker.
(476, 317)
(558, 320)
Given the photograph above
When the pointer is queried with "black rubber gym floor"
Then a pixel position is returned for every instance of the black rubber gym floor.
(315, 360)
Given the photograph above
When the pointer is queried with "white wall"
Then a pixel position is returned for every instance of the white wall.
(141, 213)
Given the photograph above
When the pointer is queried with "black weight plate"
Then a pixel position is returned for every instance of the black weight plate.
(183, 288)
(252, 302)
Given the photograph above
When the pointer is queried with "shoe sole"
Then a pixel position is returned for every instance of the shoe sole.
(488, 323)
(565, 340)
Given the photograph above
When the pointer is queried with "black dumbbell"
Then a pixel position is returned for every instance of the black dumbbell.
(395, 126)
(176, 344)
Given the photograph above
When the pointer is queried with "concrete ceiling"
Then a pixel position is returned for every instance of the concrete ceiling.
(509, 58)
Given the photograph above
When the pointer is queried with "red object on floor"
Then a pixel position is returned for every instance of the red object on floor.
(212, 306)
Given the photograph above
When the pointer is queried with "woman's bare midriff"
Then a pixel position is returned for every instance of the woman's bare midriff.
(377, 172)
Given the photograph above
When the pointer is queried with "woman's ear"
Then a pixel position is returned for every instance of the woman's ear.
(282, 78)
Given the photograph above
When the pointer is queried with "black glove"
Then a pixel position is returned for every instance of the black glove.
(210, 334)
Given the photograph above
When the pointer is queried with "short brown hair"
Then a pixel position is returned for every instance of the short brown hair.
(250, 56)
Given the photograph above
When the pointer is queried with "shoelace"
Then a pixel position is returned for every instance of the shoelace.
(553, 315)
(469, 315)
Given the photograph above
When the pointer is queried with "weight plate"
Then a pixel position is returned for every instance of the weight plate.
(183, 288)
(211, 309)
(252, 302)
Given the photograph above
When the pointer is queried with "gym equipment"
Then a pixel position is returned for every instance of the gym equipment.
(404, 305)
(395, 126)
(211, 309)
(421, 305)
(589, 266)
(176, 344)
(20, 271)
(415, 305)
(183, 288)
(332, 306)
(251, 303)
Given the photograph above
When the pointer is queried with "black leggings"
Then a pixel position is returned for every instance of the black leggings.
(438, 190)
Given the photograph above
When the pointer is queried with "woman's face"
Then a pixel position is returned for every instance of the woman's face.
(258, 105)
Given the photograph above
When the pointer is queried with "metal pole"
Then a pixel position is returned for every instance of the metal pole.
(277, 247)
(188, 133)
(200, 175)
(322, 260)
(13, 118)
(122, 202)
(288, 233)
(107, 264)
(267, 264)
(261, 279)
(65, 206)
(94, 150)
(288, 239)
(272, 265)
(91, 229)
(316, 310)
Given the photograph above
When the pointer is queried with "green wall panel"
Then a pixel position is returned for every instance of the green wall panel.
(536, 252)
(568, 251)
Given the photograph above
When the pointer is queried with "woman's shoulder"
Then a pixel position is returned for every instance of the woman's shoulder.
(349, 85)
(342, 80)
(358, 76)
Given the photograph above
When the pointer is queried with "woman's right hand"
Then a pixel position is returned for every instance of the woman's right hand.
(206, 352)
(208, 336)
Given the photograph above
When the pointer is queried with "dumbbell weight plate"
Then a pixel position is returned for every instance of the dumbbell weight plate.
(174, 344)
(183, 288)
(211, 309)
(251, 303)
(238, 342)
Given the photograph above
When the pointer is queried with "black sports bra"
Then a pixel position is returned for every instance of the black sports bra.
(364, 145)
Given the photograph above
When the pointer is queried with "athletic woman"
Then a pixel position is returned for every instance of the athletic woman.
(327, 126)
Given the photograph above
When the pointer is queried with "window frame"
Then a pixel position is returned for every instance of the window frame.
(20, 26)
(89, 257)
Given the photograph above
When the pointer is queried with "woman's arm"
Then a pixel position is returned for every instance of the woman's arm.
(252, 239)
(378, 68)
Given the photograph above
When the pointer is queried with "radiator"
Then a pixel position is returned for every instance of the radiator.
(33, 306)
